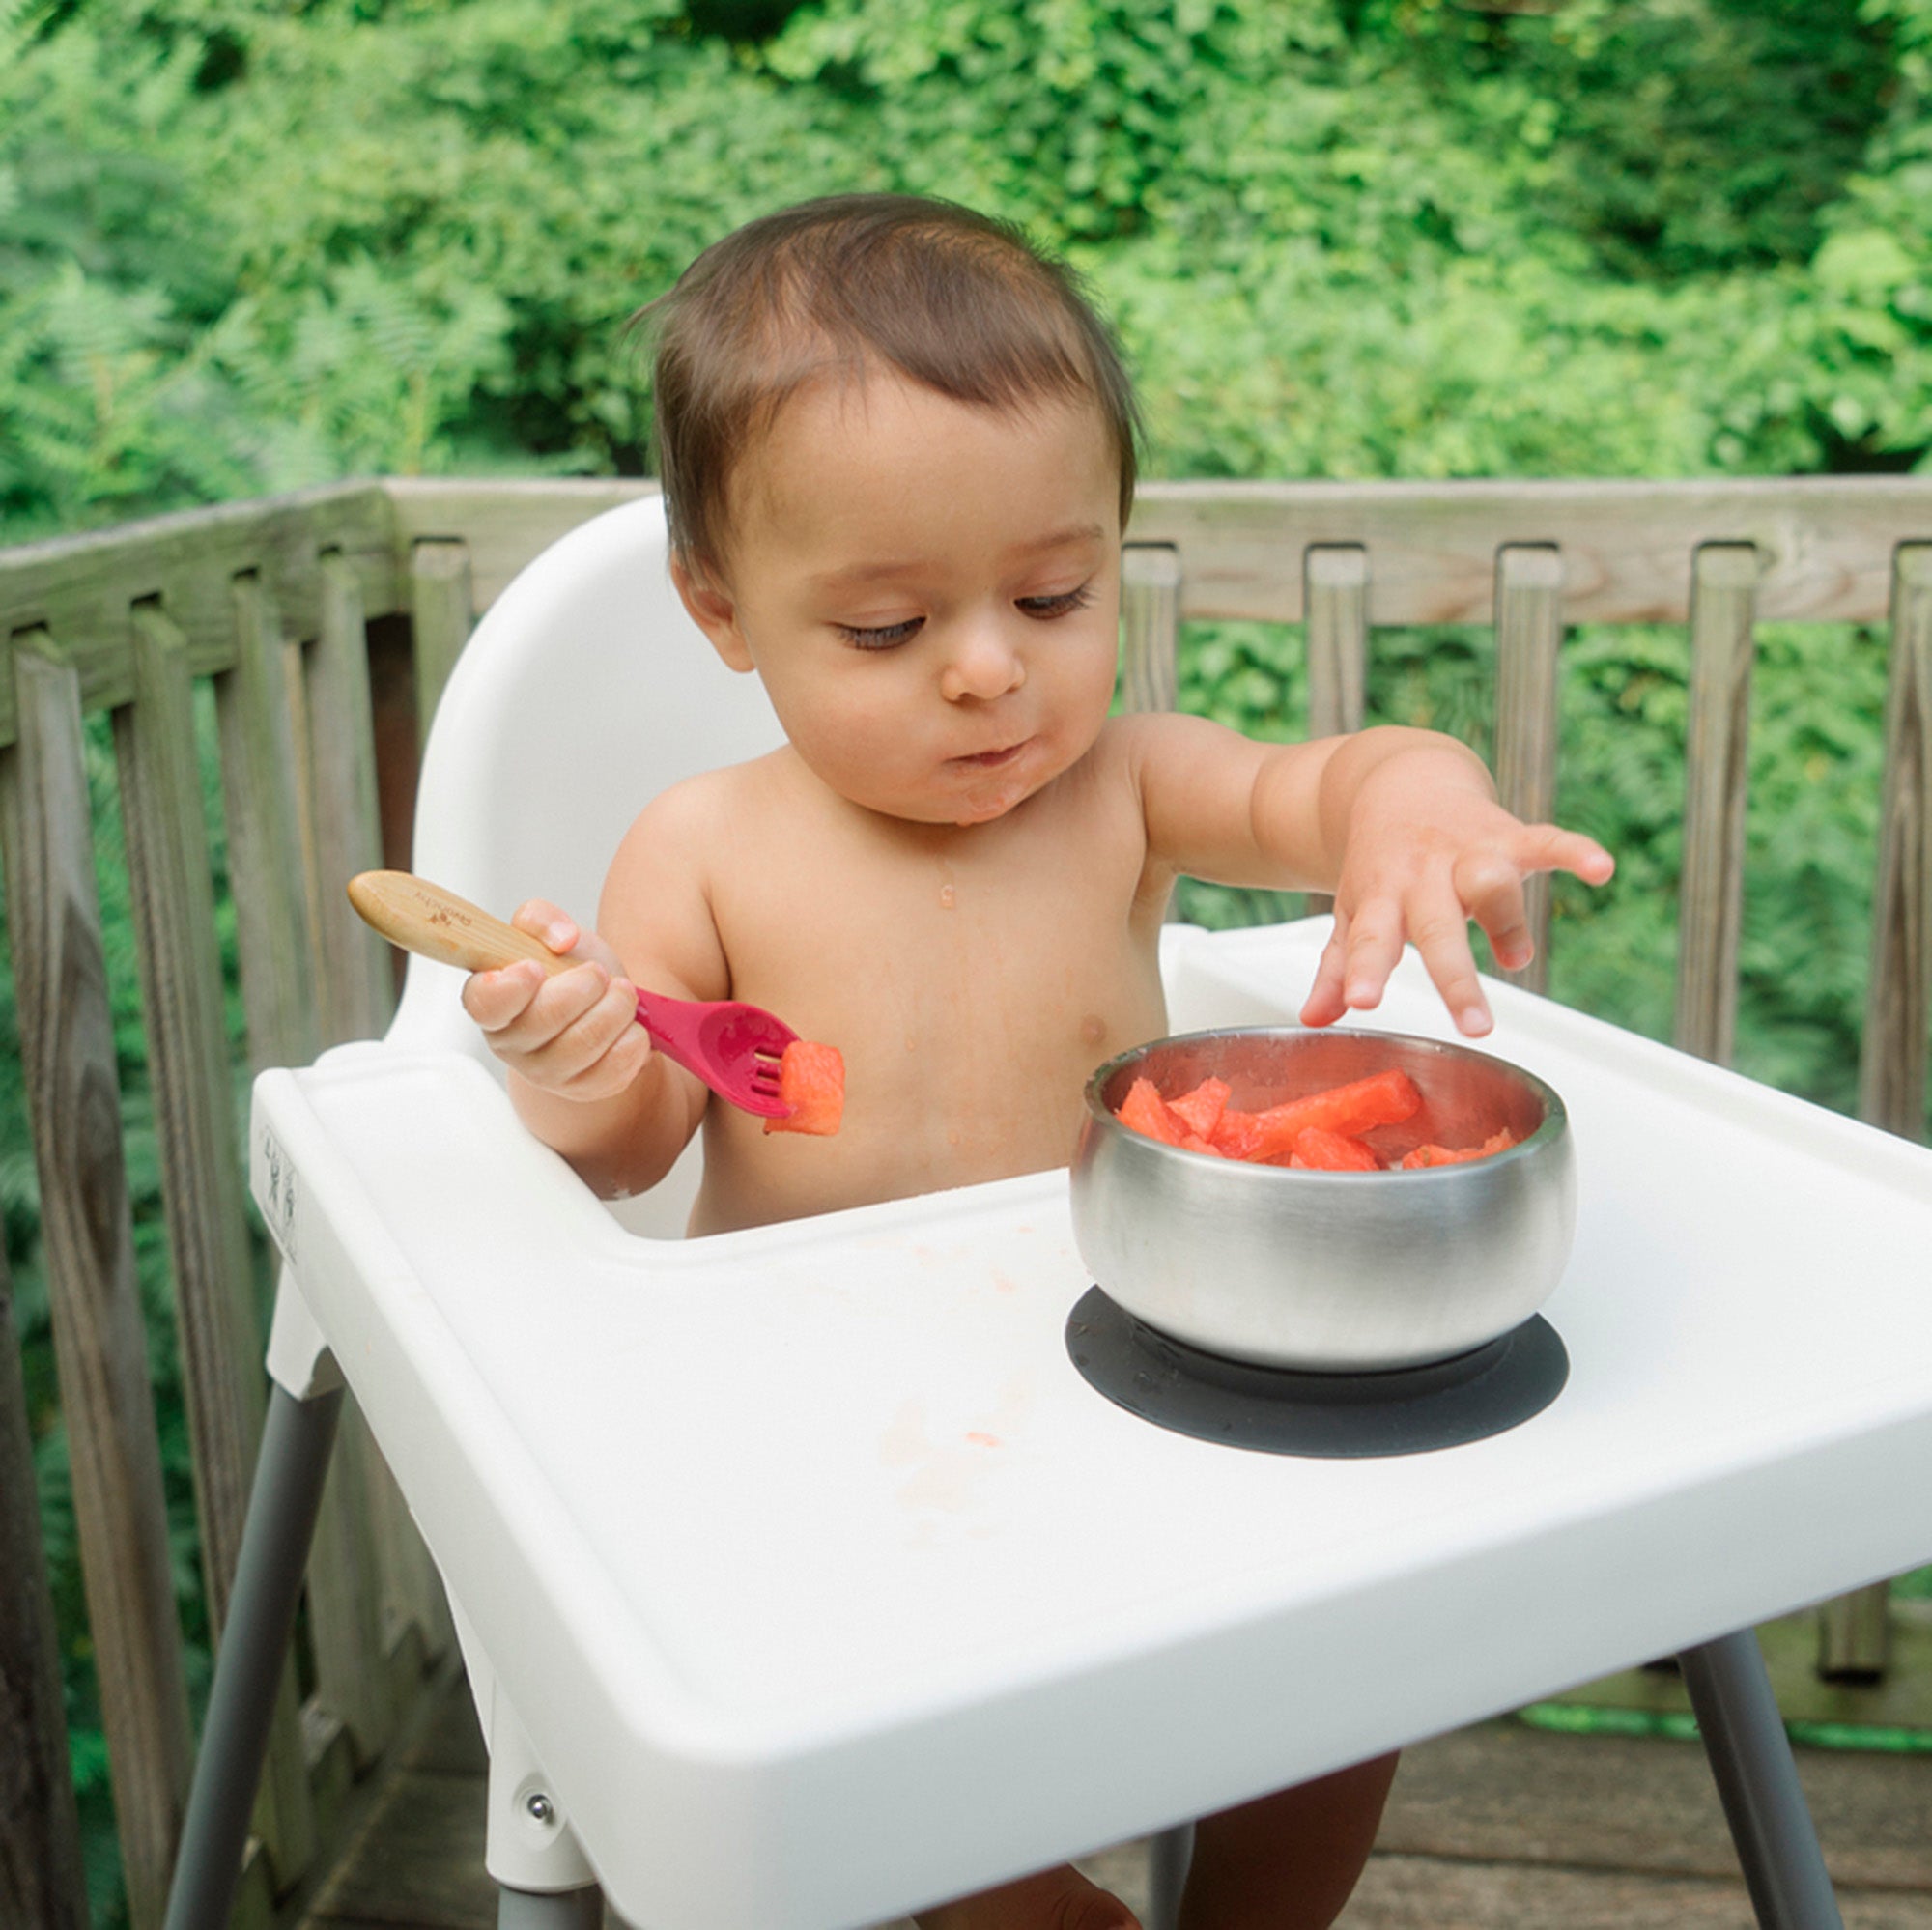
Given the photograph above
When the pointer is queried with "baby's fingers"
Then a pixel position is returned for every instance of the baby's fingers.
(1490, 891)
(599, 1052)
(1324, 1003)
(1439, 926)
(498, 998)
(1548, 847)
(1362, 950)
(543, 921)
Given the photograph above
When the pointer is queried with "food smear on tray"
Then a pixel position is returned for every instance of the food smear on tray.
(811, 1082)
(1325, 1131)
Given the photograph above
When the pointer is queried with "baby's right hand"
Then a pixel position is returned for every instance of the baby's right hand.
(575, 1035)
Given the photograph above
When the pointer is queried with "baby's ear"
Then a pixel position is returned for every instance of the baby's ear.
(713, 609)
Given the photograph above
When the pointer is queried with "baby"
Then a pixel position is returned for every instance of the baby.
(898, 454)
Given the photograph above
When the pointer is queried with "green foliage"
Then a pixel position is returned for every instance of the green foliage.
(252, 245)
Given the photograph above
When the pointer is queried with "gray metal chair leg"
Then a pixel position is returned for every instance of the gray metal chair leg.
(295, 1441)
(553, 1910)
(1169, 1854)
(1757, 1780)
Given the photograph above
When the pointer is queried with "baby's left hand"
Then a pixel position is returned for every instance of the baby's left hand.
(1419, 871)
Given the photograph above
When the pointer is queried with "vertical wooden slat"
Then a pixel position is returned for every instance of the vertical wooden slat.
(1335, 586)
(345, 1595)
(357, 983)
(268, 865)
(1529, 632)
(1893, 1062)
(345, 1579)
(41, 1880)
(1711, 891)
(442, 614)
(1335, 583)
(1150, 627)
(219, 1332)
(173, 901)
(1855, 1630)
(67, 1047)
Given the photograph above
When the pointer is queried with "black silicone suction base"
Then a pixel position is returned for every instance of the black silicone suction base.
(1330, 1416)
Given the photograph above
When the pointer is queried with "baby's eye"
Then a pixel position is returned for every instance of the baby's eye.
(883, 636)
(1063, 605)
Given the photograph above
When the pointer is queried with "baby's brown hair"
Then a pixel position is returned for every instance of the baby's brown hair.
(950, 299)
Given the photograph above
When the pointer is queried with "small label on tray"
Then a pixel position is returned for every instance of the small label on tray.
(277, 1196)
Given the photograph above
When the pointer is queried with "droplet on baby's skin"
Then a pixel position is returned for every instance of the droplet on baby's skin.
(1093, 1029)
(945, 897)
(953, 1136)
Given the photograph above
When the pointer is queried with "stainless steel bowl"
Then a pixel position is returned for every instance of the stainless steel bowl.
(1328, 1271)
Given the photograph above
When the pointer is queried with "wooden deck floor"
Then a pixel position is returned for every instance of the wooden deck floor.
(1496, 1828)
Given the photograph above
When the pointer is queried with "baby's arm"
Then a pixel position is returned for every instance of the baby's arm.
(583, 1077)
(1402, 826)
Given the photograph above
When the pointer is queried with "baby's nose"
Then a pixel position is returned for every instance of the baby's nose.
(981, 665)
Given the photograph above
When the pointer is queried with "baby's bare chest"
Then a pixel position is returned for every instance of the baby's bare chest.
(972, 989)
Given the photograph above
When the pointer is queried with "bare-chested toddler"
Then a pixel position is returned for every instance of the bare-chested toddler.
(898, 454)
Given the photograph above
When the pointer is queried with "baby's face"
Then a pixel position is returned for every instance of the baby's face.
(929, 592)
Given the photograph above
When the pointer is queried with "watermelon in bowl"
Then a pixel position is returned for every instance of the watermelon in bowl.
(1452, 1231)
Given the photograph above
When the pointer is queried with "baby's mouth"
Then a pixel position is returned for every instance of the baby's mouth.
(991, 760)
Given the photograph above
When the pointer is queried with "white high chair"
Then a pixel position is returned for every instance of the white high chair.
(789, 1565)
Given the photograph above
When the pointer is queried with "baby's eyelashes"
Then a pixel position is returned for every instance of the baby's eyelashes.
(1062, 605)
(880, 636)
(890, 635)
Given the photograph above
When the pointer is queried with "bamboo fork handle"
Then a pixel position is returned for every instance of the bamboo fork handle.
(420, 917)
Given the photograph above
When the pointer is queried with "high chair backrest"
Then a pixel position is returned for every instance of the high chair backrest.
(584, 691)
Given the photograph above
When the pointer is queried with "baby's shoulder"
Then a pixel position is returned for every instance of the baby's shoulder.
(685, 825)
(711, 803)
(1131, 745)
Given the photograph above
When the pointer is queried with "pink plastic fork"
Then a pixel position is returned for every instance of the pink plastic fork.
(733, 1047)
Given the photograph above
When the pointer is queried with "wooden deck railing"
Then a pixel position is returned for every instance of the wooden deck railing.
(326, 623)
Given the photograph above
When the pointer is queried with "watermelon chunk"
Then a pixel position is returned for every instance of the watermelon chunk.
(1146, 1112)
(1333, 1151)
(1322, 1130)
(1442, 1155)
(811, 1082)
(1383, 1098)
(1200, 1109)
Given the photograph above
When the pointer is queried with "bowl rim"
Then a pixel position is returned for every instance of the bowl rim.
(1554, 1124)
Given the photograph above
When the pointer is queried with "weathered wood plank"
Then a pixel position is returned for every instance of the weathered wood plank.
(41, 1880)
(1855, 1635)
(357, 985)
(1529, 632)
(1826, 542)
(1335, 594)
(443, 612)
(270, 869)
(1710, 889)
(1150, 628)
(1626, 545)
(345, 1600)
(80, 588)
(173, 899)
(1893, 1065)
(506, 524)
(1855, 1630)
(1507, 1791)
(219, 1331)
(67, 1046)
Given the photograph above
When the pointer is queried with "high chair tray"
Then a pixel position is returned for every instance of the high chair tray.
(825, 1586)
